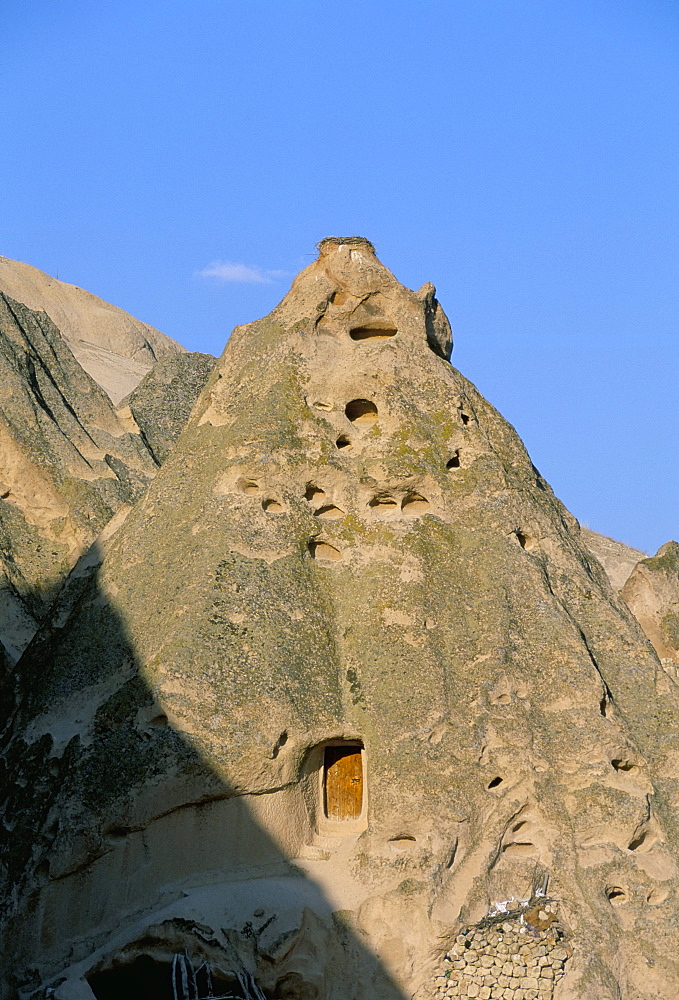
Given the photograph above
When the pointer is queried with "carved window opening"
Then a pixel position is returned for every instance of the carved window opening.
(372, 332)
(343, 782)
(361, 411)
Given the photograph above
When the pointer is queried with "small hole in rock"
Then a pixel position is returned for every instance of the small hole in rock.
(414, 503)
(158, 721)
(464, 417)
(324, 552)
(495, 782)
(323, 406)
(272, 506)
(643, 841)
(383, 504)
(280, 742)
(606, 706)
(525, 541)
(342, 442)
(514, 850)
(117, 832)
(249, 487)
(518, 826)
(616, 895)
(313, 492)
(329, 512)
(623, 765)
(657, 896)
(401, 838)
(372, 332)
(361, 411)
(454, 462)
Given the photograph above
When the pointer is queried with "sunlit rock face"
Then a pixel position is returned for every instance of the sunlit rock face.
(114, 348)
(616, 558)
(67, 464)
(162, 402)
(349, 711)
(652, 594)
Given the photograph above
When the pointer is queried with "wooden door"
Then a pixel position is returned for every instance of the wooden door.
(343, 782)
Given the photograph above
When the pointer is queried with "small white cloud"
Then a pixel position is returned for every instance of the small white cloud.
(228, 270)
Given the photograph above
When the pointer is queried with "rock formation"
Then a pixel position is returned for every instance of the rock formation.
(67, 465)
(162, 402)
(348, 710)
(616, 558)
(113, 347)
(652, 595)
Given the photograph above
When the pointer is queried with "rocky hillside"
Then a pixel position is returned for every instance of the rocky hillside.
(66, 466)
(616, 558)
(68, 461)
(349, 709)
(113, 347)
(161, 404)
(652, 594)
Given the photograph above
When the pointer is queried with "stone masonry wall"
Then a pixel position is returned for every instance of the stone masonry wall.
(519, 955)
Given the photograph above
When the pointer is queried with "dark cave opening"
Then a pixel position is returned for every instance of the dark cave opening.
(146, 978)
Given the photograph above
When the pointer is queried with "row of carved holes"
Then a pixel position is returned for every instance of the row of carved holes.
(362, 412)
(412, 503)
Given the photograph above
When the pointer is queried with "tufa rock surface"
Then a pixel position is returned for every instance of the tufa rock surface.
(113, 347)
(67, 465)
(616, 558)
(348, 710)
(162, 402)
(652, 595)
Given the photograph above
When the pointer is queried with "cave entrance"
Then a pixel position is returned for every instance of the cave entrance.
(146, 978)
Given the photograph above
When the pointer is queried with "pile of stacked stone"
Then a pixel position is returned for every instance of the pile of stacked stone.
(519, 955)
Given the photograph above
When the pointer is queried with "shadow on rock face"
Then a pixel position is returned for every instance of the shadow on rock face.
(131, 867)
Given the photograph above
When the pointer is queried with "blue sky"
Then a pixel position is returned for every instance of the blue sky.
(181, 159)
